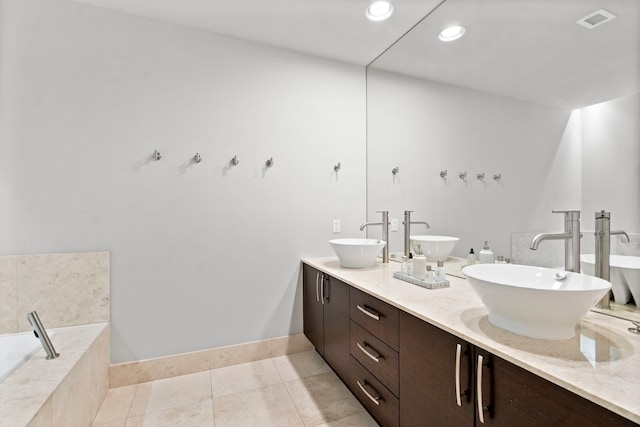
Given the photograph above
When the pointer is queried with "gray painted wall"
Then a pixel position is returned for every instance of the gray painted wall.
(202, 255)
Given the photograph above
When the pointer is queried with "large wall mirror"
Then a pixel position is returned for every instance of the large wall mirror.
(539, 110)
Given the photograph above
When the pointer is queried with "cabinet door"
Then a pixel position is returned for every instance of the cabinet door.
(429, 360)
(336, 326)
(312, 307)
(513, 396)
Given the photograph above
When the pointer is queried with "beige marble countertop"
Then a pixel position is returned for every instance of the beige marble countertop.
(600, 363)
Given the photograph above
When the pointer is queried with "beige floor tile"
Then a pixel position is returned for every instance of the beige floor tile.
(300, 365)
(322, 398)
(116, 404)
(119, 423)
(265, 407)
(361, 419)
(171, 392)
(199, 414)
(247, 376)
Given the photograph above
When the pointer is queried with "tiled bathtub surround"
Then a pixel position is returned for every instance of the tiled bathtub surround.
(66, 391)
(164, 367)
(65, 289)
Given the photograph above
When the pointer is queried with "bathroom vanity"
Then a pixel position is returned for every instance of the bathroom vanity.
(419, 357)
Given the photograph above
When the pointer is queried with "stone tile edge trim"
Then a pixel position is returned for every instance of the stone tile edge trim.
(141, 371)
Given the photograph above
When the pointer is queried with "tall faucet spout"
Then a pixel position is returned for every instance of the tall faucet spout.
(548, 236)
(366, 224)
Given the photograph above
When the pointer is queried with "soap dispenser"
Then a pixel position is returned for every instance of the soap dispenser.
(486, 255)
(471, 259)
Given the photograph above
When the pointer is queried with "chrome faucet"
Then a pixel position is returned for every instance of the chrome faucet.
(385, 233)
(41, 334)
(407, 231)
(571, 237)
(603, 251)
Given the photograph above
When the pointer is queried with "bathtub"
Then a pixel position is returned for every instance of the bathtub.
(15, 349)
(66, 391)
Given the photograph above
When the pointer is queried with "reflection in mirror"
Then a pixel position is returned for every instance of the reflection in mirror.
(527, 93)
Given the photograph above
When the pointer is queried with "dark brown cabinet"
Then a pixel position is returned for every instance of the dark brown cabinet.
(326, 317)
(435, 376)
(514, 396)
(409, 373)
(445, 380)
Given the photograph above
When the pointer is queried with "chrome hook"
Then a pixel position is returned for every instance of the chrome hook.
(337, 167)
(156, 155)
(269, 162)
(235, 161)
(497, 177)
(197, 158)
(463, 175)
(480, 176)
(443, 174)
(395, 170)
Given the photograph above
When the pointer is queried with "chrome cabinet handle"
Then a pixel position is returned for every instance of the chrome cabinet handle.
(317, 291)
(458, 354)
(322, 289)
(363, 348)
(481, 407)
(374, 399)
(368, 312)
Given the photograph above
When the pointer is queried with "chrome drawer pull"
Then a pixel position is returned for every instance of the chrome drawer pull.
(481, 407)
(368, 312)
(458, 354)
(374, 399)
(317, 291)
(375, 358)
(322, 289)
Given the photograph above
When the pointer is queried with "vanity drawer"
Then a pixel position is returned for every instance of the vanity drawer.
(377, 317)
(379, 359)
(373, 395)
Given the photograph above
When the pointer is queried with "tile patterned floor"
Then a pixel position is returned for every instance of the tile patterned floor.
(296, 390)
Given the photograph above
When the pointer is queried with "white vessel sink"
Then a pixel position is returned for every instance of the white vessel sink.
(435, 248)
(534, 301)
(357, 253)
(624, 275)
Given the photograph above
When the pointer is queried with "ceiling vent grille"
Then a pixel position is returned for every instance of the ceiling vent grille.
(596, 19)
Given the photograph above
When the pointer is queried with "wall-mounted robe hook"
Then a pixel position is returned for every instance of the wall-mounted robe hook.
(497, 177)
(395, 170)
(480, 176)
(443, 174)
(156, 155)
(234, 161)
(337, 167)
(269, 162)
(463, 175)
(197, 158)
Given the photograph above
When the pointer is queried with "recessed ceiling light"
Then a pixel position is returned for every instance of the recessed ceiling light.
(451, 33)
(379, 10)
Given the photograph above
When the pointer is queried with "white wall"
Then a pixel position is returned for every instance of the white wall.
(611, 162)
(202, 255)
(425, 127)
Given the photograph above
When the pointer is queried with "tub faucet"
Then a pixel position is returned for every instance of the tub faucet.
(407, 231)
(603, 251)
(571, 237)
(41, 334)
(385, 233)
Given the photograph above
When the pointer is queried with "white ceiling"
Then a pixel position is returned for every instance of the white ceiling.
(335, 29)
(527, 49)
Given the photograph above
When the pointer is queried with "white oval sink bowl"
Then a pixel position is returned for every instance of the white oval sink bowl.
(624, 275)
(532, 301)
(435, 248)
(357, 253)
